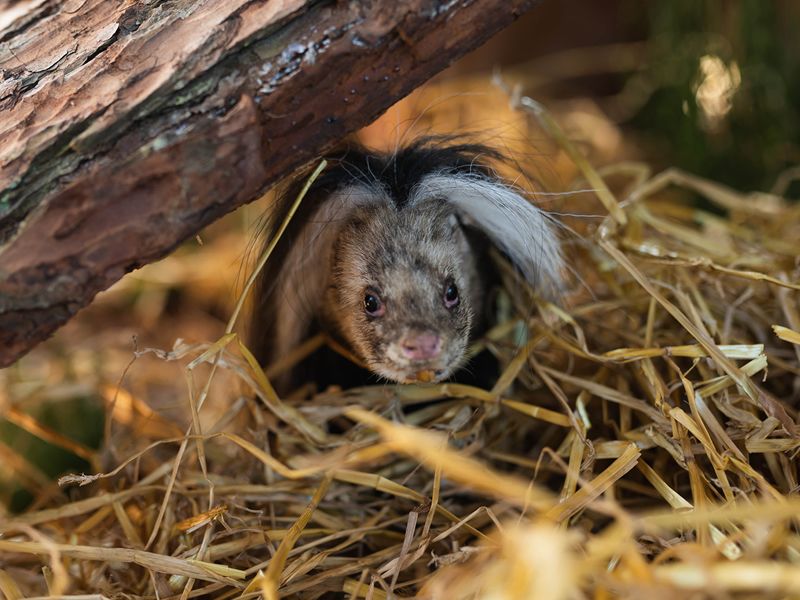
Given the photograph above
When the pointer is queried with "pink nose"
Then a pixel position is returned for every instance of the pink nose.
(421, 346)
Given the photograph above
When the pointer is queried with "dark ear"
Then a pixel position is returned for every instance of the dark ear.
(521, 230)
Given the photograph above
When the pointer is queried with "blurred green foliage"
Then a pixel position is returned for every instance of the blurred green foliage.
(756, 41)
(80, 419)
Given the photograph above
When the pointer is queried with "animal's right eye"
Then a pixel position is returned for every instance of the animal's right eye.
(373, 305)
(451, 295)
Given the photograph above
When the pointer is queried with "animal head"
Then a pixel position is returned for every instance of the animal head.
(404, 290)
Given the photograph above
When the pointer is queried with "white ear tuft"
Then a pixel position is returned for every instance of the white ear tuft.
(517, 227)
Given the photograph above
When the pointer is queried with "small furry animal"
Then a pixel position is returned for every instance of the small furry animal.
(388, 254)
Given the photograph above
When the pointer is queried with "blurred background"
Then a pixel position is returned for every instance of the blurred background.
(711, 87)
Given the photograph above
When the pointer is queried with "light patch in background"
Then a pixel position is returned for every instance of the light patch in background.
(715, 87)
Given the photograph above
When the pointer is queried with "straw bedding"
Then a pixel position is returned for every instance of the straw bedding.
(641, 441)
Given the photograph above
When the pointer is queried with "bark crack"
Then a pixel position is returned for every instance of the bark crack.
(102, 47)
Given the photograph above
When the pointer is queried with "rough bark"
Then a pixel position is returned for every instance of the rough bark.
(125, 127)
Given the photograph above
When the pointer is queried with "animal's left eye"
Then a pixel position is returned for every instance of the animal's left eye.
(450, 295)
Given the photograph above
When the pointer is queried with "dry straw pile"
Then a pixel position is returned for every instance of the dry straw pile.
(641, 441)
